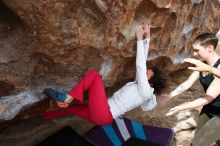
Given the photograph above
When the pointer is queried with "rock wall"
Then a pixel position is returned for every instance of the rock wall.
(67, 37)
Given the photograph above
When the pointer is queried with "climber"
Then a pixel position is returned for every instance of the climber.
(101, 110)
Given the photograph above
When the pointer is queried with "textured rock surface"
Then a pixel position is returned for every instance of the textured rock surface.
(51, 42)
(68, 37)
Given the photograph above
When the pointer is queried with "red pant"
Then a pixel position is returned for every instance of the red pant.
(97, 111)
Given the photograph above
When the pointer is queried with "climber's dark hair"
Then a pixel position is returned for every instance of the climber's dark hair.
(157, 81)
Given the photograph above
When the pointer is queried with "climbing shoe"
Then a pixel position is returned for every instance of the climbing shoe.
(58, 96)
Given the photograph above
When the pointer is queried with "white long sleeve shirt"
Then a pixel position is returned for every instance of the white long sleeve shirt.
(137, 93)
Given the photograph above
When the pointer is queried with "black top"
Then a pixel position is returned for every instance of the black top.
(213, 108)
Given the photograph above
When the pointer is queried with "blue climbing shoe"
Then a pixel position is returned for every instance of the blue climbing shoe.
(58, 96)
